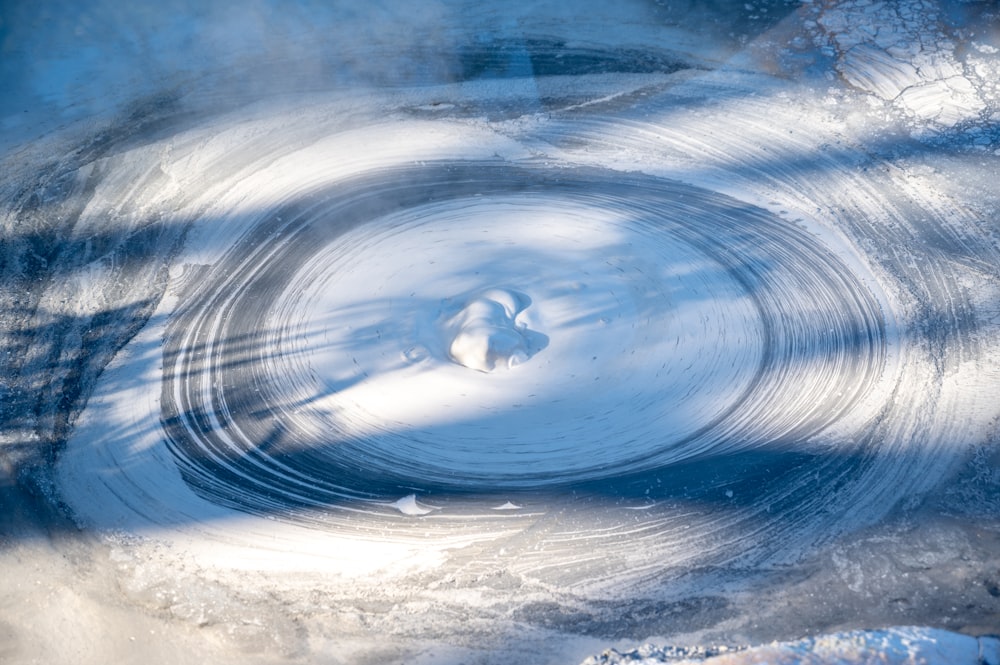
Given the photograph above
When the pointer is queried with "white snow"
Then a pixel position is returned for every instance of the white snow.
(485, 334)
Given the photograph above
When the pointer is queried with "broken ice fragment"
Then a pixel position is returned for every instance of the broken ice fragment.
(408, 505)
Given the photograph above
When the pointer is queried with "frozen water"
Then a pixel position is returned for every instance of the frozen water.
(899, 645)
(477, 333)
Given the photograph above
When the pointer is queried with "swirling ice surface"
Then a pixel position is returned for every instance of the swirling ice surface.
(678, 345)
(715, 355)
(677, 323)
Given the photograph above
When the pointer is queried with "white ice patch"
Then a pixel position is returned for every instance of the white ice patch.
(409, 505)
(486, 333)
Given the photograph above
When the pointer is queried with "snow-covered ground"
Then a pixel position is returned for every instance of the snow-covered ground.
(479, 333)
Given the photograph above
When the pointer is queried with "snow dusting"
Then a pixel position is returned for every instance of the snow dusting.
(660, 332)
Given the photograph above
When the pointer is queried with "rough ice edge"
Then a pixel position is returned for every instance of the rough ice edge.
(900, 645)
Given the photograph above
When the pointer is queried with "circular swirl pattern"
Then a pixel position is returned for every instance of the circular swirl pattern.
(551, 364)
(666, 327)
(489, 332)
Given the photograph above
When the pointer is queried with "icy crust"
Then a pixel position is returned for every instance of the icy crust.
(330, 351)
(901, 54)
(311, 355)
(408, 562)
(486, 334)
(894, 646)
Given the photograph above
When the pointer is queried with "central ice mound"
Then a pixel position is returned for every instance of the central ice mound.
(487, 332)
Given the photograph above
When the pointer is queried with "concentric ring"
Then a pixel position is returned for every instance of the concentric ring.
(723, 360)
(699, 328)
(549, 325)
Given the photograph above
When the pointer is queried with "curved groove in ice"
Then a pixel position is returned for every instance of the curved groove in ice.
(724, 359)
(679, 324)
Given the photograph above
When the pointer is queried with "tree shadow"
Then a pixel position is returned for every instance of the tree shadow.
(58, 356)
(54, 384)
(237, 351)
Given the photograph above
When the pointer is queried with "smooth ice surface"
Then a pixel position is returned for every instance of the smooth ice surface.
(471, 332)
(647, 325)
